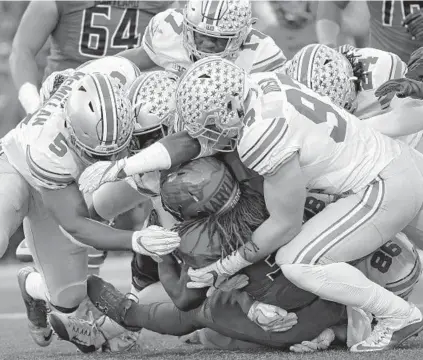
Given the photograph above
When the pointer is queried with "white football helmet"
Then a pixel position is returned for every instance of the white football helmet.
(99, 117)
(327, 72)
(153, 98)
(210, 101)
(217, 19)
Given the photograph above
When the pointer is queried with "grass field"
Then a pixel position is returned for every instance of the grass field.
(16, 344)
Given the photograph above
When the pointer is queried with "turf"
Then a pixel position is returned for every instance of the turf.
(16, 344)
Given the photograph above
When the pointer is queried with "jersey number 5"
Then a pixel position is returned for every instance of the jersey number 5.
(94, 40)
(58, 146)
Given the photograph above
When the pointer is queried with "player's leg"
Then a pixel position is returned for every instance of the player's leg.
(14, 193)
(343, 283)
(220, 312)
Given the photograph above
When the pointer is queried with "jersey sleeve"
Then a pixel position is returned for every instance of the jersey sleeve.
(47, 171)
(163, 29)
(264, 145)
(269, 56)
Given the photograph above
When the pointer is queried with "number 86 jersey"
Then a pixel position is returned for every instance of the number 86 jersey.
(337, 151)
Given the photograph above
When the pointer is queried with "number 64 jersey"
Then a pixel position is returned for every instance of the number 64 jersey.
(337, 152)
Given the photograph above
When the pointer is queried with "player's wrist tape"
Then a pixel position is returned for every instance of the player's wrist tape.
(29, 97)
(327, 32)
(232, 263)
(154, 157)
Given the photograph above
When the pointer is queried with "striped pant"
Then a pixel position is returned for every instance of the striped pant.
(358, 224)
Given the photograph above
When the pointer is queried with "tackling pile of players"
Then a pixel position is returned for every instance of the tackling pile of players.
(281, 199)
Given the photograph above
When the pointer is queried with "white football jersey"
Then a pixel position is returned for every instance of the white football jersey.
(380, 66)
(38, 146)
(337, 152)
(163, 42)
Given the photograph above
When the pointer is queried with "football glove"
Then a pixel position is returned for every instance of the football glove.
(415, 65)
(322, 342)
(52, 83)
(100, 173)
(414, 24)
(225, 268)
(155, 241)
(401, 88)
(271, 318)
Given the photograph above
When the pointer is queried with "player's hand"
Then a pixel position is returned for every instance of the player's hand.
(100, 173)
(219, 270)
(155, 241)
(322, 342)
(414, 24)
(415, 65)
(401, 88)
(52, 83)
(271, 318)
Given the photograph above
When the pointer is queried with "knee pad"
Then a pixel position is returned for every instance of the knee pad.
(69, 297)
(307, 277)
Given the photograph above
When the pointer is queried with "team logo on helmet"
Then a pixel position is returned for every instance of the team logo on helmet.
(327, 72)
(209, 101)
(153, 98)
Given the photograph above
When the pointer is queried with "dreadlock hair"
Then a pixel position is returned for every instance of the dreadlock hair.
(358, 68)
(233, 227)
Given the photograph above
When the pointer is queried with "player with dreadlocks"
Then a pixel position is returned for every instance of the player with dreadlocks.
(218, 215)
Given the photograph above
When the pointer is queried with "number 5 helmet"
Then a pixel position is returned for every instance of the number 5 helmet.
(99, 117)
(153, 98)
(217, 19)
(209, 100)
(327, 72)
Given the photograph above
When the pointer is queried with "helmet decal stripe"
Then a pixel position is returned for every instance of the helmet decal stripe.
(212, 13)
(306, 65)
(108, 109)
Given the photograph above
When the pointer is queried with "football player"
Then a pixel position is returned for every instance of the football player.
(325, 148)
(87, 119)
(387, 20)
(390, 115)
(122, 70)
(217, 214)
(176, 38)
(80, 31)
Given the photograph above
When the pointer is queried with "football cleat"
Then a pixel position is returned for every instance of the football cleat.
(82, 333)
(391, 332)
(22, 252)
(36, 311)
(110, 301)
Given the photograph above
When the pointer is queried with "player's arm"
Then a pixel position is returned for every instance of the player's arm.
(29, 39)
(285, 194)
(328, 20)
(174, 279)
(139, 57)
(68, 207)
(170, 151)
(405, 118)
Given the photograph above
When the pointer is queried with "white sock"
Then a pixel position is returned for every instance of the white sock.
(134, 294)
(35, 287)
(344, 284)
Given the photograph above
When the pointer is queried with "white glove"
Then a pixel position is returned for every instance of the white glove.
(322, 342)
(100, 173)
(155, 241)
(224, 268)
(271, 318)
(53, 81)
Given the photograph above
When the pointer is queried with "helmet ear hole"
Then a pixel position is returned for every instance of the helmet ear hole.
(90, 104)
(81, 88)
